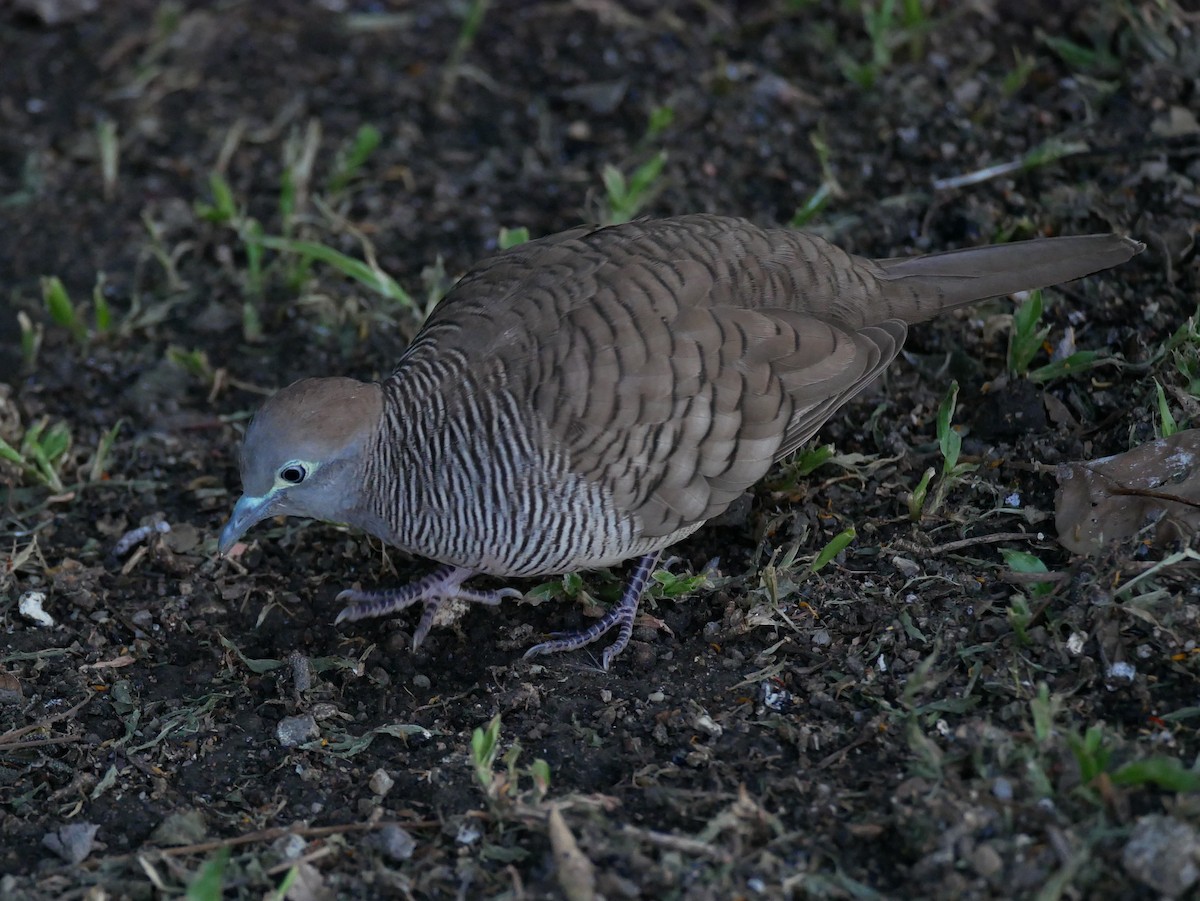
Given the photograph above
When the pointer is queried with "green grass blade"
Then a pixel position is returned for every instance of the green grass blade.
(375, 279)
(836, 545)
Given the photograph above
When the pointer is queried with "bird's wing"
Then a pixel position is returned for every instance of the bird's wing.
(677, 406)
(670, 363)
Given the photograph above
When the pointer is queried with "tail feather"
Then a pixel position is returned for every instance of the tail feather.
(964, 276)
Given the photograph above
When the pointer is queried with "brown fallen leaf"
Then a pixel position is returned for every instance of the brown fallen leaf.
(1155, 487)
(10, 688)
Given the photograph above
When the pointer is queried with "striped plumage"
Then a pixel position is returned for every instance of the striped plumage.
(598, 394)
(474, 483)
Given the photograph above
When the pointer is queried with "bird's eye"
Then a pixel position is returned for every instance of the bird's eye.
(293, 473)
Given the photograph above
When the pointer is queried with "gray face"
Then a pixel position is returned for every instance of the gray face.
(302, 453)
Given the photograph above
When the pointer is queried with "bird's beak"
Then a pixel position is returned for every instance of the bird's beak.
(246, 513)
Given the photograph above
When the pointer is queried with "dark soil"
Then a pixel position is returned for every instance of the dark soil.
(912, 720)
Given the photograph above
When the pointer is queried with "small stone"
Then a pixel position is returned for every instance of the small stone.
(1121, 673)
(73, 843)
(381, 783)
(301, 672)
(656, 697)
(601, 97)
(821, 638)
(420, 680)
(183, 538)
(986, 861)
(966, 94)
(468, 833)
(290, 846)
(185, 827)
(1178, 121)
(1163, 853)
(293, 731)
(396, 843)
(326, 711)
(31, 607)
(1002, 789)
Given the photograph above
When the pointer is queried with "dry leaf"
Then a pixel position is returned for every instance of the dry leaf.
(576, 875)
(1155, 486)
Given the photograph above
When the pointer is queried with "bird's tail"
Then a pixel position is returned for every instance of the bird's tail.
(918, 288)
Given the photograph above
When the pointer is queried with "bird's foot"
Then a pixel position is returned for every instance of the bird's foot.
(442, 585)
(621, 616)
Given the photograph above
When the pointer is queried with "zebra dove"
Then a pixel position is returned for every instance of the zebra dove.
(599, 394)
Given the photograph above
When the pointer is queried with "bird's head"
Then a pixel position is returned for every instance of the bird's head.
(303, 452)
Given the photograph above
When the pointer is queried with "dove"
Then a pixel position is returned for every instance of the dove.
(597, 395)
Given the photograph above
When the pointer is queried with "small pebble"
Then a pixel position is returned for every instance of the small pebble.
(183, 827)
(420, 680)
(290, 846)
(986, 861)
(656, 697)
(381, 783)
(73, 843)
(301, 672)
(1162, 853)
(1121, 672)
(30, 607)
(1002, 789)
(396, 843)
(325, 711)
(293, 731)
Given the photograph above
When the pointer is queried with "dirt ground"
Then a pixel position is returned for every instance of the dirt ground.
(912, 720)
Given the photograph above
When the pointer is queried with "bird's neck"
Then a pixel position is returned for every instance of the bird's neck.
(404, 458)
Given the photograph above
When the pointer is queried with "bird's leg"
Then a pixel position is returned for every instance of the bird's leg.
(622, 615)
(443, 584)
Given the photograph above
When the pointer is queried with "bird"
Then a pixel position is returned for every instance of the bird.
(597, 395)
